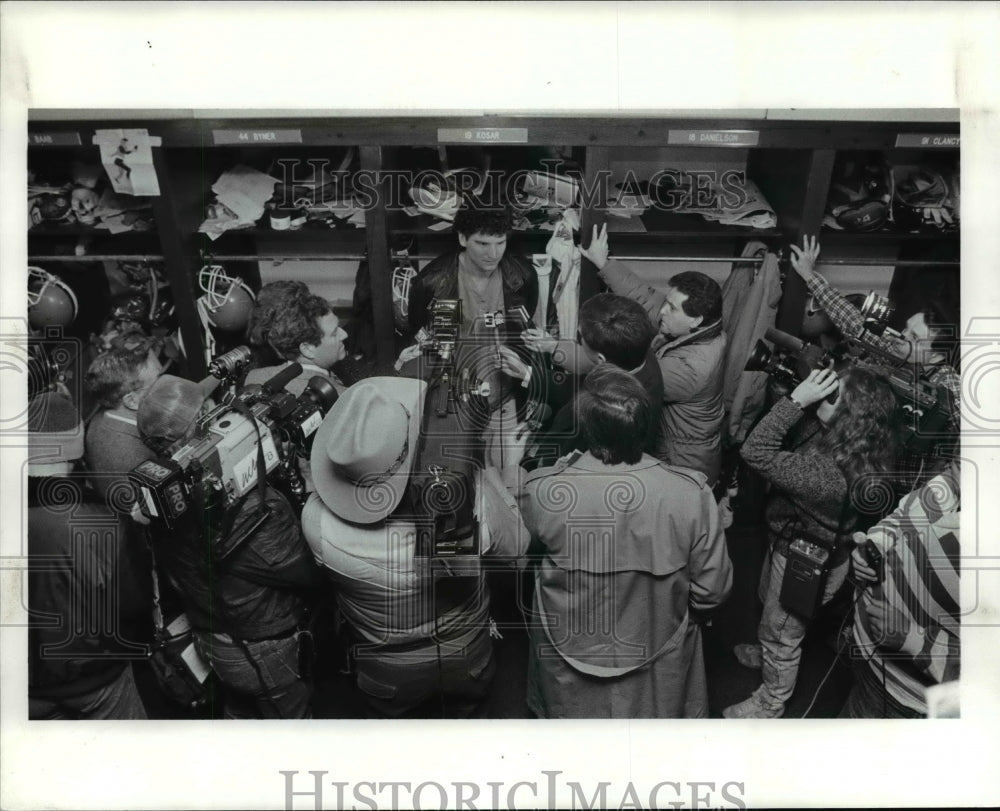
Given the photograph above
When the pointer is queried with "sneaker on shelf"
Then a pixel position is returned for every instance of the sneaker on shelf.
(757, 706)
(751, 656)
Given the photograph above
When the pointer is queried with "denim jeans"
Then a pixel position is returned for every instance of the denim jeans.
(451, 680)
(868, 699)
(780, 632)
(117, 701)
(262, 679)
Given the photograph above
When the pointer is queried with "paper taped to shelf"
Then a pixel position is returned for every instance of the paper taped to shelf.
(127, 156)
(241, 194)
(432, 199)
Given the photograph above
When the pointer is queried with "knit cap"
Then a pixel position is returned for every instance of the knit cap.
(169, 409)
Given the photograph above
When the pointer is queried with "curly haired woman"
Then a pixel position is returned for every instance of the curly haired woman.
(816, 473)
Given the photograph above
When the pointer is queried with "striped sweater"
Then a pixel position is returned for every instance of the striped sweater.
(920, 545)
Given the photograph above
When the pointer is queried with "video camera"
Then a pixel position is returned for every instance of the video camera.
(452, 377)
(261, 427)
(456, 410)
(923, 409)
(791, 360)
(450, 449)
(44, 373)
(443, 329)
(876, 310)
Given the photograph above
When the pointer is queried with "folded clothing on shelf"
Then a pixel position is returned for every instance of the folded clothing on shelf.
(241, 194)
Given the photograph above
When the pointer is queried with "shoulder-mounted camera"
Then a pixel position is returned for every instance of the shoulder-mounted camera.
(259, 431)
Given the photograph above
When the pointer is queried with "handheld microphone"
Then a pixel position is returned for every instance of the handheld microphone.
(538, 416)
(282, 378)
(784, 340)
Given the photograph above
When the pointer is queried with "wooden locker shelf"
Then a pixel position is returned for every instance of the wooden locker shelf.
(790, 160)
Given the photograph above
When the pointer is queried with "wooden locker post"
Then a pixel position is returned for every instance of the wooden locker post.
(177, 261)
(377, 248)
(794, 291)
(595, 178)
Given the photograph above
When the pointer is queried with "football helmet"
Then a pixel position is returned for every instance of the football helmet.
(51, 302)
(860, 191)
(922, 198)
(226, 301)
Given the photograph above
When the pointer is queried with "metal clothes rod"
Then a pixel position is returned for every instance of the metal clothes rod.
(895, 263)
(212, 257)
(285, 257)
(750, 260)
(288, 258)
(99, 257)
(756, 260)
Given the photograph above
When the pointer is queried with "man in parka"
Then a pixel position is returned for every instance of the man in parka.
(691, 352)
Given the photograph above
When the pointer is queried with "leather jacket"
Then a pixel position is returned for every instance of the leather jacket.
(439, 279)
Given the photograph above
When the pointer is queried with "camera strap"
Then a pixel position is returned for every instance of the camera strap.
(263, 510)
(159, 626)
(797, 526)
(241, 408)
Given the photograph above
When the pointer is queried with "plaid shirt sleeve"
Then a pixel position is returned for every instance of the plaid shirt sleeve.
(947, 377)
(850, 322)
(844, 316)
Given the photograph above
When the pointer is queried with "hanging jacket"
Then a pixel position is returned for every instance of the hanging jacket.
(549, 302)
(750, 297)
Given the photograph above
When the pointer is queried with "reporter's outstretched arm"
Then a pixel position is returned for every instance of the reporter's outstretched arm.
(620, 279)
(844, 315)
(503, 533)
(709, 566)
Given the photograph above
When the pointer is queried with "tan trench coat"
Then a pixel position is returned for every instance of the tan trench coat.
(629, 551)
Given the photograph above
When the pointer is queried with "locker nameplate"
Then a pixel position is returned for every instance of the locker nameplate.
(54, 139)
(483, 135)
(713, 137)
(243, 137)
(928, 140)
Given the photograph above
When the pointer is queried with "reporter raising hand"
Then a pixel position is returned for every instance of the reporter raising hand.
(803, 260)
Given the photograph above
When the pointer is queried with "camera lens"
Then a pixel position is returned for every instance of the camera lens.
(321, 391)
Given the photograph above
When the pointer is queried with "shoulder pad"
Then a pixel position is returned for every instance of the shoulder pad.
(696, 477)
(559, 466)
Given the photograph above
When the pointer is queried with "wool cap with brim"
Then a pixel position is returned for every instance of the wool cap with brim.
(170, 407)
(364, 450)
(55, 434)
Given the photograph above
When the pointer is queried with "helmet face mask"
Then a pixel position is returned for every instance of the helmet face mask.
(920, 193)
(860, 193)
(227, 301)
(51, 302)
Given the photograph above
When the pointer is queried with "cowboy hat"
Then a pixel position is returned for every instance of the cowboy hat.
(363, 451)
